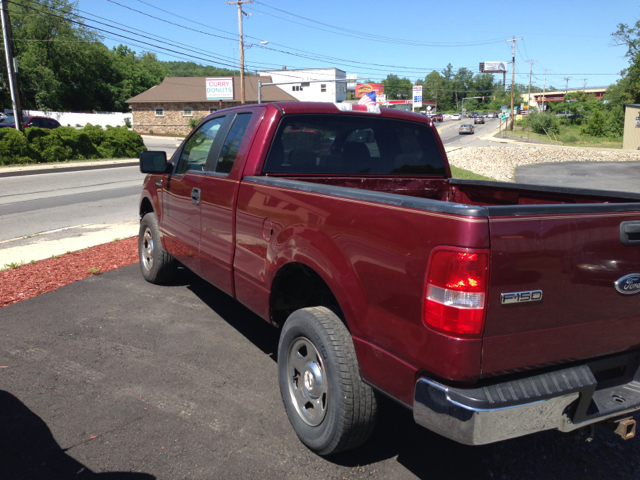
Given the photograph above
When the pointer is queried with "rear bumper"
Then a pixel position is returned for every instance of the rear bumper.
(564, 400)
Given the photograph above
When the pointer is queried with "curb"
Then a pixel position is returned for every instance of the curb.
(66, 167)
(159, 137)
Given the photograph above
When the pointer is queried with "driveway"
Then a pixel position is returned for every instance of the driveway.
(112, 374)
(619, 176)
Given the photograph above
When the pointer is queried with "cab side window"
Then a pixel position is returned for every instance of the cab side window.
(196, 151)
(232, 143)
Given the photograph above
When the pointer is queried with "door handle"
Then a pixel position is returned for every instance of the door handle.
(630, 233)
(195, 196)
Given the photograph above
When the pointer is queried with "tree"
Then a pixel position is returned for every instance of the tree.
(397, 88)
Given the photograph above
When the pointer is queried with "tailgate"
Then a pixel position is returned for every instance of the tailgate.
(575, 260)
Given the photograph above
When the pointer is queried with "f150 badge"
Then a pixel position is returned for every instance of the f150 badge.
(629, 284)
(521, 297)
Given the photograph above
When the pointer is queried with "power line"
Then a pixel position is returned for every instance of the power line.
(118, 35)
(367, 36)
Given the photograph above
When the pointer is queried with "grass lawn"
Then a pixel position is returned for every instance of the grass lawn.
(468, 175)
(569, 136)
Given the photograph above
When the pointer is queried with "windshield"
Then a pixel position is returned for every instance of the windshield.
(364, 145)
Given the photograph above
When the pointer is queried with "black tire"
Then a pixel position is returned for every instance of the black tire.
(350, 406)
(157, 266)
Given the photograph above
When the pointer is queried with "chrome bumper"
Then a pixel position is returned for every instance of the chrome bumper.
(564, 400)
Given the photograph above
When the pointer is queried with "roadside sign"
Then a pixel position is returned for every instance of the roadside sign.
(503, 117)
(219, 88)
(417, 96)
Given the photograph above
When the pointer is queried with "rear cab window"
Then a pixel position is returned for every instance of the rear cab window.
(357, 145)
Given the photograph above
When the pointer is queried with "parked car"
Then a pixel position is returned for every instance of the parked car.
(41, 122)
(481, 306)
(456, 116)
(478, 119)
(465, 128)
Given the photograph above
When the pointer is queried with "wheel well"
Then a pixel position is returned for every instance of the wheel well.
(298, 286)
(145, 207)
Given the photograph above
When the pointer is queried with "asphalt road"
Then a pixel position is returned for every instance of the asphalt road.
(42, 202)
(450, 135)
(112, 374)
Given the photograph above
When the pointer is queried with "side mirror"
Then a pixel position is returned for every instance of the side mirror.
(154, 162)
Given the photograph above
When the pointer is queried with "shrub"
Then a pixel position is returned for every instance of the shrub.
(120, 142)
(150, 132)
(14, 145)
(193, 122)
(595, 126)
(95, 133)
(544, 121)
(56, 153)
(127, 122)
(615, 123)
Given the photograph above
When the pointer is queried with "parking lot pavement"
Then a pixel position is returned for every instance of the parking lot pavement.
(112, 374)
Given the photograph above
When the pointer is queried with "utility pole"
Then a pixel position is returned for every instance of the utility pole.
(544, 88)
(584, 84)
(513, 73)
(11, 65)
(529, 98)
(239, 3)
(529, 95)
(566, 90)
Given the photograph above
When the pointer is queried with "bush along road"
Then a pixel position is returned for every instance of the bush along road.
(39, 145)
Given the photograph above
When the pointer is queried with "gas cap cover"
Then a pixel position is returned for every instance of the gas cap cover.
(629, 284)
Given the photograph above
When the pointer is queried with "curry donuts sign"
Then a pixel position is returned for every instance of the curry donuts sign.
(220, 88)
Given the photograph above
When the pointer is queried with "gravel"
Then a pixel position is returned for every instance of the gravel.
(500, 162)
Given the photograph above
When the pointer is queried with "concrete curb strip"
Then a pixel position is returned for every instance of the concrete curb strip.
(57, 242)
(66, 166)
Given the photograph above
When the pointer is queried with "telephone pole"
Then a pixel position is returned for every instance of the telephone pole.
(566, 90)
(11, 66)
(513, 73)
(239, 3)
(544, 88)
(529, 98)
(584, 84)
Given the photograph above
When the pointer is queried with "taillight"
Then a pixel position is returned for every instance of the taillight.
(455, 291)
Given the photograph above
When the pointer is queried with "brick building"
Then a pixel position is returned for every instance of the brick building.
(168, 107)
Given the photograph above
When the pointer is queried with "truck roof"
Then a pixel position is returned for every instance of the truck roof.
(289, 108)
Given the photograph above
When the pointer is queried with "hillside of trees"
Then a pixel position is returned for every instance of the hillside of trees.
(63, 65)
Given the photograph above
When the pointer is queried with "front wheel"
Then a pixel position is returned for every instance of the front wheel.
(330, 408)
(156, 264)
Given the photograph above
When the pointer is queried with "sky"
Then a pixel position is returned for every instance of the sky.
(566, 38)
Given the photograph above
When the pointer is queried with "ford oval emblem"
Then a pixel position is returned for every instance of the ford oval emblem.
(629, 284)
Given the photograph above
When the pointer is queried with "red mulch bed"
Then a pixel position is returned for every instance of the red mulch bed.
(32, 279)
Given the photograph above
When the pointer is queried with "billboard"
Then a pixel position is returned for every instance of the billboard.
(220, 88)
(493, 67)
(363, 88)
(417, 96)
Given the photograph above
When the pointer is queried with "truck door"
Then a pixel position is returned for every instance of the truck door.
(183, 195)
(219, 191)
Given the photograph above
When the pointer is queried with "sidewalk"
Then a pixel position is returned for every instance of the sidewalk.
(58, 242)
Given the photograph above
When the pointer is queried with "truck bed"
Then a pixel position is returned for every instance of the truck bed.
(563, 241)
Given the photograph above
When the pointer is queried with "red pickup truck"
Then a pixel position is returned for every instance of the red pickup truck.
(492, 310)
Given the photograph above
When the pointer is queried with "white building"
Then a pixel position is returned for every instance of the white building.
(309, 86)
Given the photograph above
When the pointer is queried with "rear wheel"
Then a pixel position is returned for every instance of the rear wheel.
(157, 266)
(330, 408)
